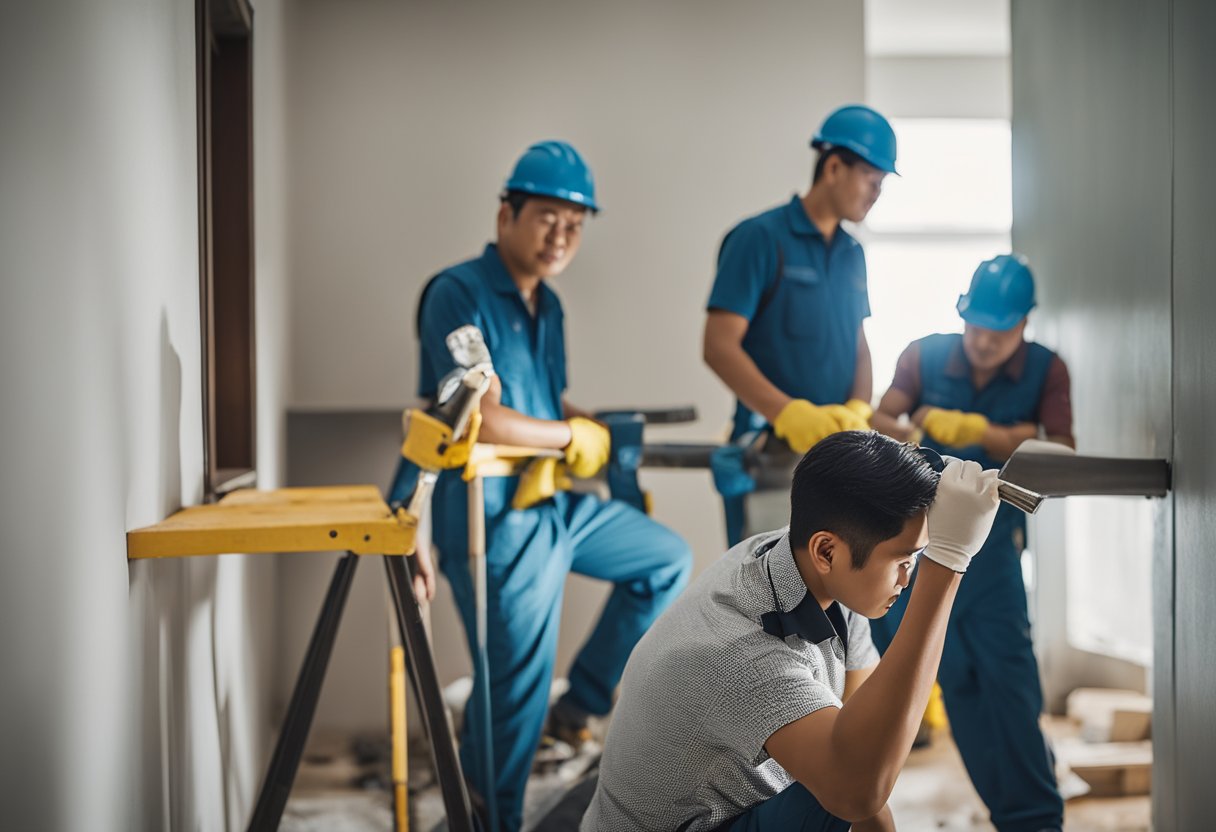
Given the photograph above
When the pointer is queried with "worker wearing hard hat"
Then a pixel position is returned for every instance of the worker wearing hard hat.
(784, 323)
(978, 396)
(536, 533)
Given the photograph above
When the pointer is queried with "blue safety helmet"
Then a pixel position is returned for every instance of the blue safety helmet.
(1001, 293)
(862, 130)
(554, 169)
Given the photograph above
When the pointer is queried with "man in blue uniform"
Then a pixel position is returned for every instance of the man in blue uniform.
(978, 396)
(536, 533)
(784, 323)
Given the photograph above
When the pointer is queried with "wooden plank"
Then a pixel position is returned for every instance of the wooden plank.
(341, 518)
(1111, 715)
(1110, 768)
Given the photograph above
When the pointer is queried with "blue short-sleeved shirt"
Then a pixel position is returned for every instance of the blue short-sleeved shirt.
(803, 335)
(528, 351)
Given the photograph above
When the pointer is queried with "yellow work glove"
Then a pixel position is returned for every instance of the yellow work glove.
(852, 415)
(802, 424)
(543, 478)
(954, 427)
(588, 450)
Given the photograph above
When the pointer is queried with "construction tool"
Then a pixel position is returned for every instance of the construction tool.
(355, 519)
(1038, 470)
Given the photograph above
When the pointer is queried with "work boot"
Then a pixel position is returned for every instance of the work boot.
(567, 734)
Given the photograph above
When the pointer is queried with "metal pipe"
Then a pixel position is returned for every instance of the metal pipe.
(1031, 476)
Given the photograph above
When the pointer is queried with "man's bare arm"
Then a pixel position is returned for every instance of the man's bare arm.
(850, 757)
(895, 403)
(500, 425)
(863, 376)
(722, 349)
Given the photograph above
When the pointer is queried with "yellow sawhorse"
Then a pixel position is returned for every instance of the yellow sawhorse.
(351, 518)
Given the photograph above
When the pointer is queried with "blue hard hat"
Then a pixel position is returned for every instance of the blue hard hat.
(862, 130)
(555, 169)
(1001, 293)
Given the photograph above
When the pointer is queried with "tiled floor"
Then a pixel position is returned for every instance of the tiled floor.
(933, 793)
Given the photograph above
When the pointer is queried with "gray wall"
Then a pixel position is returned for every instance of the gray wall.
(135, 696)
(1090, 95)
(1113, 122)
(405, 119)
(1194, 664)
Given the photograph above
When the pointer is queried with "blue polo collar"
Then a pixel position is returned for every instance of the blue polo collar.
(801, 225)
(799, 222)
(798, 611)
(499, 279)
(496, 272)
(957, 365)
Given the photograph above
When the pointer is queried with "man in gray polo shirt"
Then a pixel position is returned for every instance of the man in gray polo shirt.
(743, 709)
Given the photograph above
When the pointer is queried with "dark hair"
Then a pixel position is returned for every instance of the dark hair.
(516, 199)
(847, 156)
(861, 486)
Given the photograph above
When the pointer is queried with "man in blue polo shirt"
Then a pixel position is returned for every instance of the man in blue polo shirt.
(537, 534)
(977, 396)
(783, 329)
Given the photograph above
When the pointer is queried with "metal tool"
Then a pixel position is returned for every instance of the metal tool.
(1038, 470)
(458, 398)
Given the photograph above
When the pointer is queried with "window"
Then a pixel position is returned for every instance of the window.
(225, 147)
(950, 208)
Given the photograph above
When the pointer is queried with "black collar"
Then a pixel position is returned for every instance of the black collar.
(807, 619)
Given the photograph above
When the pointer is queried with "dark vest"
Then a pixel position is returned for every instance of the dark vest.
(1004, 401)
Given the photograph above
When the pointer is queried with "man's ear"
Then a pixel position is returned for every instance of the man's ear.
(505, 216)
(825, 549)
(831, 168)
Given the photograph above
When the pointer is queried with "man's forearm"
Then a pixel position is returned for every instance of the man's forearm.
(875, 729)
(503, 426)
(1001, 441)
(889, 425)
(884, 821)
(863, 375)
(737, 370)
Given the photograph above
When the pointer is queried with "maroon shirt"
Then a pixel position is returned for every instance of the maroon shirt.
(1055, 403)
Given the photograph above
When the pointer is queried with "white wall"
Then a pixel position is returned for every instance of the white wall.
(135, 696)
(406, 118)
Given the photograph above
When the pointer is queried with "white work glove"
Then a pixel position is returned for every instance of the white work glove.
(962, 513)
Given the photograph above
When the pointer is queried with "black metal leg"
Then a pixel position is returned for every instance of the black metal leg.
(281, 772)
(425, 679)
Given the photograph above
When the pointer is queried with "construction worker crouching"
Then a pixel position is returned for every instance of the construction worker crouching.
(757, 701)
(784, 318)
(536, 533)
(978, 396)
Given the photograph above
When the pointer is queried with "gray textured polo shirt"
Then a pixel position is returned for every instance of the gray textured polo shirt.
(743, 652)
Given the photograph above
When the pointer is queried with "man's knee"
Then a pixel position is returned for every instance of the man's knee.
(677, 562)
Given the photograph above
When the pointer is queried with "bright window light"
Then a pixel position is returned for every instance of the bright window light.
(1109, 575)
(949, 210)
(914, 285)
(955, 175)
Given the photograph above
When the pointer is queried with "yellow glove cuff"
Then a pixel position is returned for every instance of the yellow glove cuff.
(589, 446)
(543, 478)
(862, 409)
(955, 428)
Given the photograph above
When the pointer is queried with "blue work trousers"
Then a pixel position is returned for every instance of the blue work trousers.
(529, 554)
(990, 687)
(794, 810)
